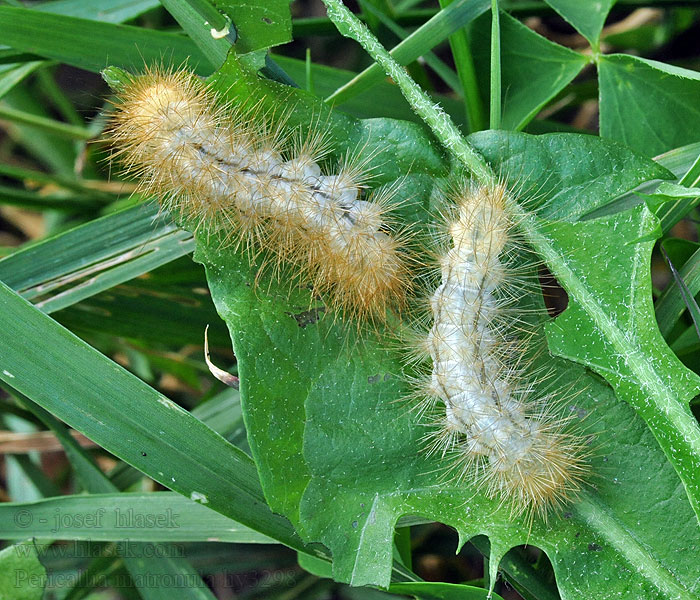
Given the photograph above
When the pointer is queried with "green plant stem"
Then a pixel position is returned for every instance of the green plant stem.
(309, 72)
(50, 125)
(464, 63)
(19, 197)
(22, 174)
(441, 124)
(495, 101)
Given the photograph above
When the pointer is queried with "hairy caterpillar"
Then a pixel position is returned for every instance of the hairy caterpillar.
(491, 423)
(231, 173)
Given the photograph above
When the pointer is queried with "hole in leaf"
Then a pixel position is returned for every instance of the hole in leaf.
(555, 297)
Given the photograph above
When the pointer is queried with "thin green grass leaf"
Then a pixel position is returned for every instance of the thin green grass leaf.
(443, 70)
(11, 75)
(122, 516)
(79, 263)
(464, 63)
(495, 70)
(678, 161)
(107, 11)
(428, 590)
(674, 301)
(150, 559)
(49, 125)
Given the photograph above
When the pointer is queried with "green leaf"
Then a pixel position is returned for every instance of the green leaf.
(108, 11)
(674, 190)
(170, 573)
(654, 383)
(650, 106)
(145, 310)
(533, 69)
(258, 25)
(518, 571)
(22, 576)
(464, 64)
(610, 326)
(74, 265)
(382, 100)
(565, 175)
(11, 75)
(361, 447)
(587, 17)
(119, 45)
(678, 161)
(686, 293)
(154, 558)
(671, 203)
(53, 126)
(398, 146)
(672, 304)
(315, 566)
(56, 153)
(199, 31)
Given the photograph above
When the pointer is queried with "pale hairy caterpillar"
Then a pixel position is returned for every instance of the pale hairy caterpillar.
(231, 173)
(490, 418)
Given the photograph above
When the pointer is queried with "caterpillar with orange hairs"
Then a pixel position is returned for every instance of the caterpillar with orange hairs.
(230, 172)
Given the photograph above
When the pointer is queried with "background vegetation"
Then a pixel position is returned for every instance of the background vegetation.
(103, 310)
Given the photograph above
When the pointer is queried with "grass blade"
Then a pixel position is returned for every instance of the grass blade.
(182, 520)
(495, 109)
(91, 258)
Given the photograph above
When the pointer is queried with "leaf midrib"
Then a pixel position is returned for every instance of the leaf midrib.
(666, 404)
(617, 535)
